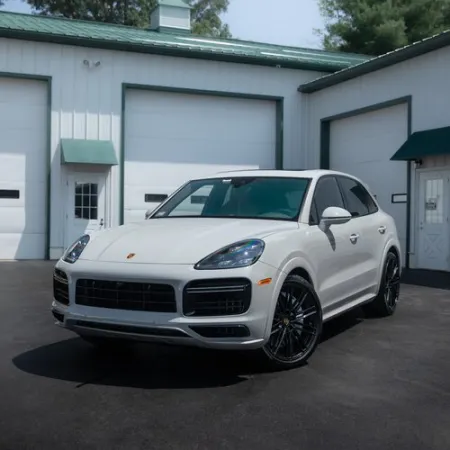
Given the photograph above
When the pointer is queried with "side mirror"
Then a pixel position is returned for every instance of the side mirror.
(334, 216)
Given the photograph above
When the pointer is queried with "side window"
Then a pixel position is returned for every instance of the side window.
(327, 194)
(358, 201)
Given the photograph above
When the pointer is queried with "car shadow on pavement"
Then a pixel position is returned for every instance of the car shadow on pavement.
(145, 366)
(149, 366)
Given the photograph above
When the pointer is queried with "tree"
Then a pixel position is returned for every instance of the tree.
(205, 13)
(375, 27)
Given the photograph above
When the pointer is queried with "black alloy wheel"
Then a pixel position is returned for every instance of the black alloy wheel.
(385, 303)
(296, 326)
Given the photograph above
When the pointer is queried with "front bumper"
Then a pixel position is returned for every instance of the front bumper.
(248, 330)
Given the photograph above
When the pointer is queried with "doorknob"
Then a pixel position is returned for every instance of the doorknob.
(354, 238)
(382, 229)
(101, 222)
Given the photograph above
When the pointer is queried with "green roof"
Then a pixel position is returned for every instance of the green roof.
(424, 143)
(85, 151)
(119, 37)
(380, 62)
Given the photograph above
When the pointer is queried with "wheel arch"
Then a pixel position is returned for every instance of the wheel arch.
(295, 266)
(392, 246)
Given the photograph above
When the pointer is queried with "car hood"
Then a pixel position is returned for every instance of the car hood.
(176, 240)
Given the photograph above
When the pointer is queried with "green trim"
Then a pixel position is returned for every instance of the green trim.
(325, 143)
(48, 80)
(86, 151)
(424, 143)
(279, 144)
(389, 59)
(129, 86)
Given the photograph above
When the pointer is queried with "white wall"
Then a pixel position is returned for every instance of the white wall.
(86, 102)
(425, 78)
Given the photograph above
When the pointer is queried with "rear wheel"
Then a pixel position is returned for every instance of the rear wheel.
(296, 326)
(385, 303)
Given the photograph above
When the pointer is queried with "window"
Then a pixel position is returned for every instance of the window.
(154, 198)
(9, 193)
(357, 200)
(327, 194)
(241, 197)
(86, 201)
(434, 205)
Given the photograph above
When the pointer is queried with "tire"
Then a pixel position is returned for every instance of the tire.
(296, 326)
(109, 345)
(385, 303)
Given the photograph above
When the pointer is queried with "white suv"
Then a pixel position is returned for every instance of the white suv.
(258, 262)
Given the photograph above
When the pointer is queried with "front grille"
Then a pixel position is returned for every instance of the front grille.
(220, 297)
(126, 295)
(60, 287)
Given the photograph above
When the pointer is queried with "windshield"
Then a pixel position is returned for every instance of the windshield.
(279, 198)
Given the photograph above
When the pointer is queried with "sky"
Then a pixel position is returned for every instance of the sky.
(285, 22)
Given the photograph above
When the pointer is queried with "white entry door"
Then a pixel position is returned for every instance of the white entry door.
(86, 205)
(434, 225)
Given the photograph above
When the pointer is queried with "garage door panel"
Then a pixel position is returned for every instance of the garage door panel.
(25, 246)
(18, 167)
(195, 150)
(363, 145)
(171, 138)
(23, 168)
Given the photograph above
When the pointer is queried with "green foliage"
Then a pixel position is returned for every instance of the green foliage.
(205, 13)
(375, 27)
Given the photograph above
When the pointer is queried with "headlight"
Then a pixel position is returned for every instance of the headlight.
(76, 249)
(240, 254)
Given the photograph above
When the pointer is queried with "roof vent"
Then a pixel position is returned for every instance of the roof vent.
(172, 16)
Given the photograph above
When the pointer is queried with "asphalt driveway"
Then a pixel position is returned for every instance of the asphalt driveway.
(372, 384)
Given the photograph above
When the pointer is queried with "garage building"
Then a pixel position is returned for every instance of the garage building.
(386, 120)
(101, 122)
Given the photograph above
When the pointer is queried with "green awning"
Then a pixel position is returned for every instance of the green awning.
(84, 151)
(424, 143)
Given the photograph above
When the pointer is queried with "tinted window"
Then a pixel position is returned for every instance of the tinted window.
(244, 197)
(327, 194)
(357, 200)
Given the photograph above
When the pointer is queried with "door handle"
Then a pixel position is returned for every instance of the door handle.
(382, 229)
(354, 238)
(101, 222)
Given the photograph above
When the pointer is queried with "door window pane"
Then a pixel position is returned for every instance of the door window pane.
(357, 199)
(327, 194)
(86, 201)
(434, 206)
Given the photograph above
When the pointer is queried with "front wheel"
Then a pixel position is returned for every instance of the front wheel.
(296, 326)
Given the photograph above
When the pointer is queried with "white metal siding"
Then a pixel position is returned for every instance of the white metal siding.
(363, 145)
(23, 167)
(172, 137)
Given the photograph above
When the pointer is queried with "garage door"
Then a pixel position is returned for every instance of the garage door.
(23, 168)
(363, 145)
(171, 137)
